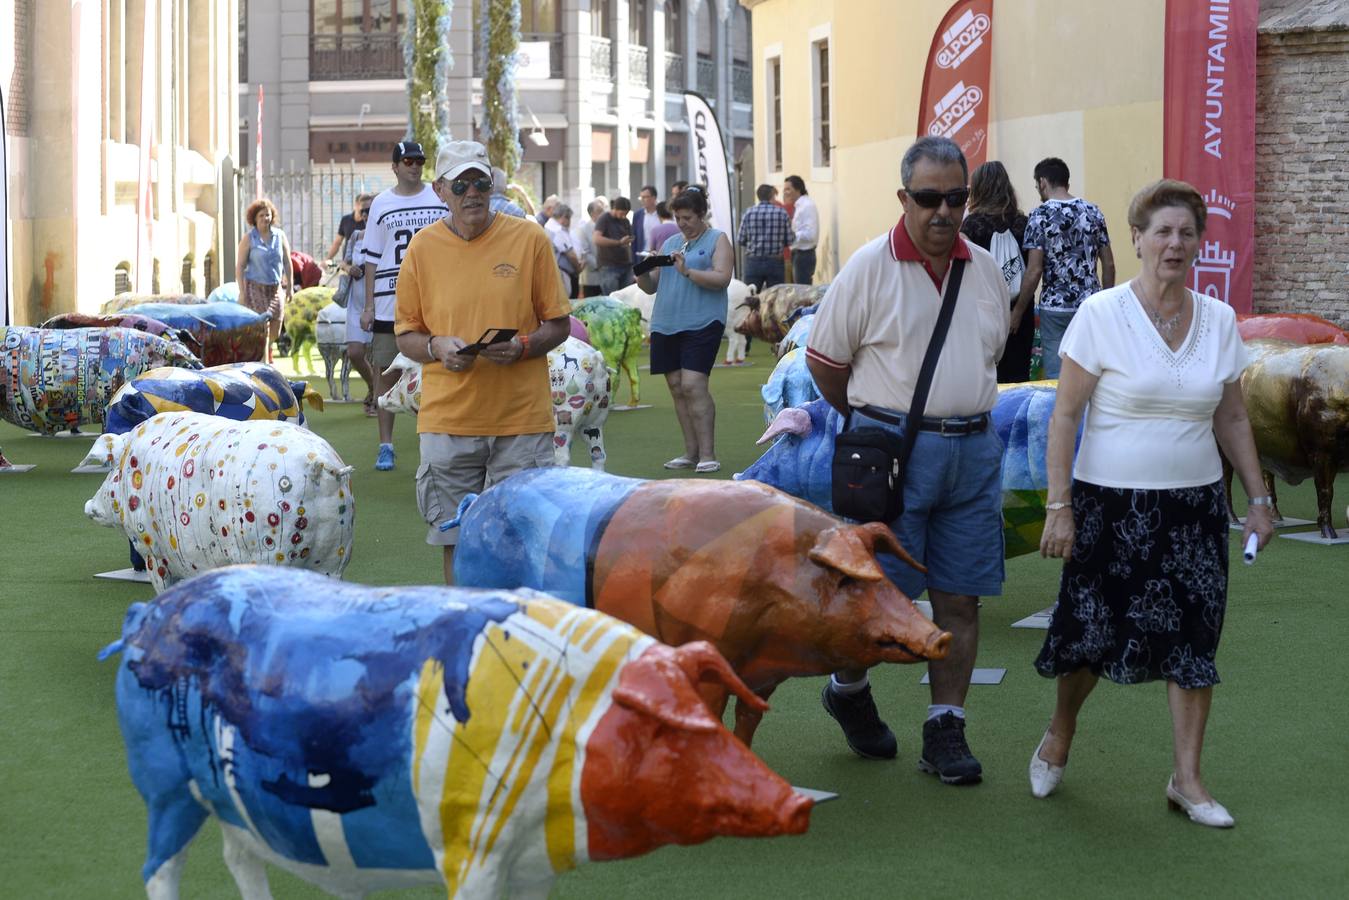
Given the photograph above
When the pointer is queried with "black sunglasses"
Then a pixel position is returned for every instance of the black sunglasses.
(365, 210)
(411, 161)
(933, 199)
(459, 187)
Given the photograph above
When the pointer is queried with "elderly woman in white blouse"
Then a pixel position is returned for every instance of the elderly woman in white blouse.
(1140, 524)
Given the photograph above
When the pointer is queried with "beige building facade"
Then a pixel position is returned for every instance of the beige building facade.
(1076, 79)
(72, 84)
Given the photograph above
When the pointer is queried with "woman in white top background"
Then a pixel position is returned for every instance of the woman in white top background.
(1141, 524)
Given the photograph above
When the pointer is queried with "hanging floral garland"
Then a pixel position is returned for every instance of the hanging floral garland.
(499, 42)
(427, 61)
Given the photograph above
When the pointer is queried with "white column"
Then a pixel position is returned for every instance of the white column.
(657, 50)
(576, 188)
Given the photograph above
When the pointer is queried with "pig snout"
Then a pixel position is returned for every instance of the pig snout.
(910, 636)
(99, 509)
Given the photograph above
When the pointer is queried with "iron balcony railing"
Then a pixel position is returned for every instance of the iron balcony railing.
(742, 83)
(639, 65)
(601, 59)
(674, 72)
(339, 57)
(707, 78)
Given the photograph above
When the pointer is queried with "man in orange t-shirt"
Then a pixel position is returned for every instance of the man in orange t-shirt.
(488, 413)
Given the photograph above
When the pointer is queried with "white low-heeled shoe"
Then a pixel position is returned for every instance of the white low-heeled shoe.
(1213, 814)
(1044, 777)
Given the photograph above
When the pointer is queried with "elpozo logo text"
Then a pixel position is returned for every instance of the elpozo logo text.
(955, 109)
(965, 36)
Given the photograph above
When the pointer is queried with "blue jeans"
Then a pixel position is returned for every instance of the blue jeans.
(952, 519)
(803, 266)
(1053, 323)
(615, 278)
(764, 271)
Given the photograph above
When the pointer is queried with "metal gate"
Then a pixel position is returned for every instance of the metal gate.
(311, 200)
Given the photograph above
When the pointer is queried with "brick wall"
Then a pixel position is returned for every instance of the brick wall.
(16, 95)
(1301, 159)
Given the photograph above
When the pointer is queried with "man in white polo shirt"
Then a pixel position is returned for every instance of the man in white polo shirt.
(865, 351)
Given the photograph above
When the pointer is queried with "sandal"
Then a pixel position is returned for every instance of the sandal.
(708, 465)
(371, 409)
(681, 462)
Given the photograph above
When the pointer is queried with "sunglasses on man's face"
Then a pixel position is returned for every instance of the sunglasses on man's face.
(459, 187)
(411, 161)
(365, 210)
(933, 199)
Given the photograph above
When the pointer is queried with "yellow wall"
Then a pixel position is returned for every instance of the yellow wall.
(1077, 79)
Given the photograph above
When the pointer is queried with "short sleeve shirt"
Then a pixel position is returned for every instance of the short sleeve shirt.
(392, 222)
(879, 315)
(506, 277)
(1071, 233)
(1150, 418)
(613, 227)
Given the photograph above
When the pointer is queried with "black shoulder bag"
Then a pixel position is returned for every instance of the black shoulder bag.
(869, 463)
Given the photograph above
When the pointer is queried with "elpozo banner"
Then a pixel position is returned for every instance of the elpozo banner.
(709, 160)
(954, 102)
(1209, 134)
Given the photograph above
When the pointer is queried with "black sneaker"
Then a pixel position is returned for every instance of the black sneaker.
(867, 735)
(945, 753)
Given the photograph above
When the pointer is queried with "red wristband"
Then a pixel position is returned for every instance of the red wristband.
(524, 345)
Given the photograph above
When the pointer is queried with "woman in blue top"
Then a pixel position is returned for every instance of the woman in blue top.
(688, 321)
(263, 265)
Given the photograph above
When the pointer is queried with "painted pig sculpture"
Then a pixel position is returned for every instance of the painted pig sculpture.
(126, 301)
(770, 312)
(779, 587)
(195, 492)
(616, 331)
(737, 309)
(301, 317)
(55, 380)
(227, 332)
(331, 332)
(372, 738)
(1300, 328)
(1297, 399)
(580, 391)
(125, 320)
(799, 462)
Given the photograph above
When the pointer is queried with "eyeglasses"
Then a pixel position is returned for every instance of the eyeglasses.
(365, 210)
(459, 187)
(411, 161)
(933, 199)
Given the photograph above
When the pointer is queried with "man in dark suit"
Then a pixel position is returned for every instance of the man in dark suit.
(645, 220)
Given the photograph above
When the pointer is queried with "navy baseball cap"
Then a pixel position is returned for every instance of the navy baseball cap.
(404, 149)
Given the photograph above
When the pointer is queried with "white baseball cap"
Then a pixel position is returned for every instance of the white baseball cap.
(457, 157)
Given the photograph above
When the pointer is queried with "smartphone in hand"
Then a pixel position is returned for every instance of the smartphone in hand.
(489, 337)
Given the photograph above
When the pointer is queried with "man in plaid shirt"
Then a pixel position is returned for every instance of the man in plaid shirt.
(765, 232)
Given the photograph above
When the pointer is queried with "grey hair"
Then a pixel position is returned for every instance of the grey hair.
(561, 211)
(938, 149)
(599, 204)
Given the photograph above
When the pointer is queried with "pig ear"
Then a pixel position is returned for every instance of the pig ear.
(107, 449)
(792, 420)
(658, 705)
(843, 549)
(699, 660)
(880, 539)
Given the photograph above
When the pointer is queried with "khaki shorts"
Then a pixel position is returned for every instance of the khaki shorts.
(454, 465)
(383, 348)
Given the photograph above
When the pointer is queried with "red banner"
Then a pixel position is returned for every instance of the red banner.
(1209, 137)
(954, 102)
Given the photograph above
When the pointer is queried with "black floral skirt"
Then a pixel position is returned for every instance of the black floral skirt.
(1144, 594)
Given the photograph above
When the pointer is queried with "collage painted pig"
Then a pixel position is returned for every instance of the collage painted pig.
(125, 320)
(195, 492)
(1299, 328)
(227, 332)
(239, 391)
(227, 293)
(779, 587)
(616, 331)
(580, 392)
(128, 300)
(330, 330)
(55, 380)
(770, 312)
(1297, 398)
(371, 738)
(800, 461)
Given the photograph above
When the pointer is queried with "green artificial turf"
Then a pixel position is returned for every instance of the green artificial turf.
(72, 825)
